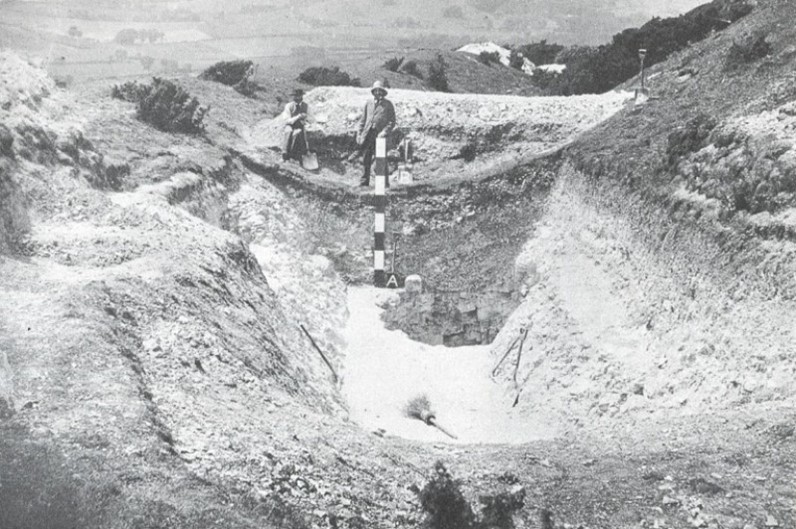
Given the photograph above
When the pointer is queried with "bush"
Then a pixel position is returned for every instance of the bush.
(164, 104)
(237, 74)
(489, 57)
(444, 503)
(747, 51)
(228, 73)
(498, 509)
(437, 78)
(689, 138)
(447, 508)
(393, 64)
(410, 68)
(541, 52)
(323, 76)
(130, 91)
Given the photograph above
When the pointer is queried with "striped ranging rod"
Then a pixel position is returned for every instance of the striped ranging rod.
(379, 278)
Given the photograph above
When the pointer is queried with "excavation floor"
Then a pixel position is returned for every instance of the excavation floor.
(385, 369)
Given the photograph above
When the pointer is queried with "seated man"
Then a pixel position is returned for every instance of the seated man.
(293, 142)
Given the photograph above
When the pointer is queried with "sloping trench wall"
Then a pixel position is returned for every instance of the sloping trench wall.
(646, 305)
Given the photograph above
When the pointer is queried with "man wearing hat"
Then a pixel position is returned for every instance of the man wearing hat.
(296, 114)
(377, 120)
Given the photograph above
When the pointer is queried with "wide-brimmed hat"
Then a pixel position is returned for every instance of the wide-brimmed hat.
(378, 85)
(298, 92)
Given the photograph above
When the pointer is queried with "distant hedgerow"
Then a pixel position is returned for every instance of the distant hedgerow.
(323, 76)
(164, 104)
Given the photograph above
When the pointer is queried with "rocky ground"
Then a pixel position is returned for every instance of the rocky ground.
(153, 372)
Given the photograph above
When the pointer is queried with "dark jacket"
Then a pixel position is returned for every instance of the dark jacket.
(376, 117)
(292, 110)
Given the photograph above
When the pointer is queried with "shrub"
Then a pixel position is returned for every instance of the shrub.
(323, 76)
(393, 64)
(410, 68)
(164, 104)
(498, 509)
(228, 73)
(130, 91)
(444, 503)
(489, 57)
(447, 508)
(689, 138)
(437, 78)
(541, 52)
(747, 51)
(237, 74)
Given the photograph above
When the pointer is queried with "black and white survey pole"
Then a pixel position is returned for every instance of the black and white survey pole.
(379, 277)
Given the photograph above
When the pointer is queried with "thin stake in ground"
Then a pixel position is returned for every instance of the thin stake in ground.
(420, 408)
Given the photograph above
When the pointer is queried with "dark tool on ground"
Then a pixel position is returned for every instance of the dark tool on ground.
(420, 408)
(329, 364)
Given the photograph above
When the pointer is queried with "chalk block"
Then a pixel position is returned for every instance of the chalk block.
(413, 284)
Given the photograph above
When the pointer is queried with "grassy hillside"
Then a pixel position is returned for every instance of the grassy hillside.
(463, 71)
(717, 124)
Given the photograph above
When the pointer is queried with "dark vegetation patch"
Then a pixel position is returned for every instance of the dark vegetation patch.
(237, 74)
(437, 74)
(164, 104)
(325, 76)
(489, 57)
(690, 138)
(411, 68)
(748, 50)
(446, 507)
(393, 64)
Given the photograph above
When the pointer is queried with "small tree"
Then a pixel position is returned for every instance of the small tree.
(489, 57)
(747, 50)
(444, 503)
(229, 73)
(147, 62)
(393, 64)
(74, 32)
(410, 68)
(437, 76)
(164, 104)
(126, 37)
